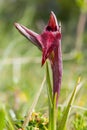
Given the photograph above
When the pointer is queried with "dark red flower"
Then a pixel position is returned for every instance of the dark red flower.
(49, 42)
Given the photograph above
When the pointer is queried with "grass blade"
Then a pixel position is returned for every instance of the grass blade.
(2, 119)
(33, 104)
(68, 108)
(9, 121)
(6, 122)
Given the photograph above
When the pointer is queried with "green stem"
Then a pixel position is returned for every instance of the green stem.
(51, 102)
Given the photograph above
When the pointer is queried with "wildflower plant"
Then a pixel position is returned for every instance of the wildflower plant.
(49, 43)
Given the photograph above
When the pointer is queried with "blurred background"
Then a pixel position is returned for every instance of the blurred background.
(21, 73)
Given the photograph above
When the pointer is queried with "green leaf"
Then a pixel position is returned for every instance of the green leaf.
(68, 108)
(6, 120)
(2, 119)
(9, 121)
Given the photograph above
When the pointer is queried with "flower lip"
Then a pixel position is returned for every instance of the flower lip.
(52, 24)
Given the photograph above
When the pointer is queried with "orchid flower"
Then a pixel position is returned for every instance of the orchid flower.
(49, 42)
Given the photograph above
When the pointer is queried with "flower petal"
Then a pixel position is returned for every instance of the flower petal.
(29, 34)
(47, 53)
(52, 24)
